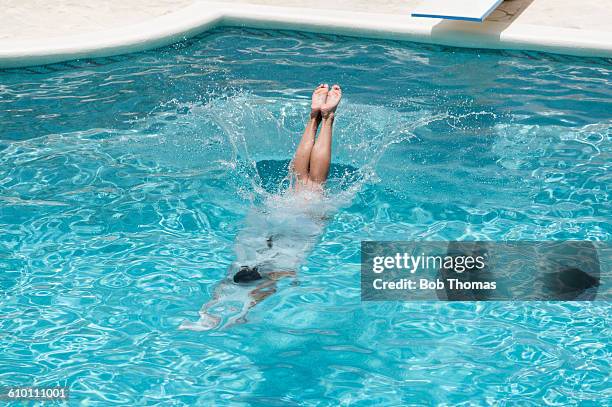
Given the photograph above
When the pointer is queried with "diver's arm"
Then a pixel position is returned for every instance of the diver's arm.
(268, 287)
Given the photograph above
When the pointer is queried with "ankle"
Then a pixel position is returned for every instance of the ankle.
(315, 114)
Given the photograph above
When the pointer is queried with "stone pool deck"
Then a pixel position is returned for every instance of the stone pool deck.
(34, 32)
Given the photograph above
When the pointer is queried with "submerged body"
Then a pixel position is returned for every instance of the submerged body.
(279, 235)
(276, 239)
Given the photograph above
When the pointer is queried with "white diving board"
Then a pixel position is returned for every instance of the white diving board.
(468, 10)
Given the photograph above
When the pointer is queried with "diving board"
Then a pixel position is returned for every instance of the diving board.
(468, 10)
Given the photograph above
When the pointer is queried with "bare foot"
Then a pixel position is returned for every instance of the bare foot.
(318, 99)
(332, 101)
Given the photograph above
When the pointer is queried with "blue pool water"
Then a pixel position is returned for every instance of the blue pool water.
(124, 182)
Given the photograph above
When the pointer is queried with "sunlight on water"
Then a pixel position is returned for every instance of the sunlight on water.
(131, 186)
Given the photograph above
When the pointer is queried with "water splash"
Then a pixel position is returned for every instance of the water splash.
(283, 226)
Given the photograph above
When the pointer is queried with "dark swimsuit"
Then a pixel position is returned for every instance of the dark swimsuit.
(246, 274)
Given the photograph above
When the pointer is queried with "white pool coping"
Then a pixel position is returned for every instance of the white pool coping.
(202, 16)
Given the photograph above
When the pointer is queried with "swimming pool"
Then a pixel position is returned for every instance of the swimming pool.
(124, 181)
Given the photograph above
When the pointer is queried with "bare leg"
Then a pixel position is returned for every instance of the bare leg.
(320, 157)
(301, 161)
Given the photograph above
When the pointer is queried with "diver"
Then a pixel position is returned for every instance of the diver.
(310, 165)
(279, 235)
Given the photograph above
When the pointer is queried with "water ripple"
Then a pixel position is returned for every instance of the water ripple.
(124, 181)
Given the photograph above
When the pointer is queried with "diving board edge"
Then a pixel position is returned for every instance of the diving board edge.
(480, 19)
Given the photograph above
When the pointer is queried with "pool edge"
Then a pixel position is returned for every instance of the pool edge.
(202, 16)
